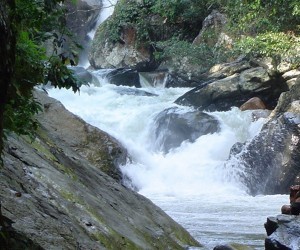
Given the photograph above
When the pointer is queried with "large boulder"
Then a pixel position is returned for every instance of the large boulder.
(53, 197)
(254, 103)
(85, 76)
(235, 90)
(122, 54)
(124, 77)
(212, 29)
(174, 126)
(270, 162)
(99, 148)
(283, 232)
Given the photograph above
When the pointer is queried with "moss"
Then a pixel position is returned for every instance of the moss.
(43, 145)
(69, 196)
(111, 239)
(115, 241)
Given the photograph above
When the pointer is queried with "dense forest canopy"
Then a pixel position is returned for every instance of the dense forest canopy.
(258, 28)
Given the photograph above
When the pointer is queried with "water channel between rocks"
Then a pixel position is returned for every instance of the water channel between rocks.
(190, 182)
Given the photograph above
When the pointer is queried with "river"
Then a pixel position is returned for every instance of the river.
(191, 183)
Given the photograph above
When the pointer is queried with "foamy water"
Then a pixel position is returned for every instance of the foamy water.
(191, 182)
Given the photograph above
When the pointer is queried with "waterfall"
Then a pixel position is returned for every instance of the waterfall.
(191, 182)
(106, 11)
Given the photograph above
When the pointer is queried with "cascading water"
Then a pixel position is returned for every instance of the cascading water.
(107, 9)
(190, 182)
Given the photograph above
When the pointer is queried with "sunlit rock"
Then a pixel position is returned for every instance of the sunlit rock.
(283, 232)
(252, 104)
(235, 90)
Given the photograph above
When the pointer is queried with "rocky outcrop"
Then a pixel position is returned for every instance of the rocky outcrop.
(212, 30)
(270, 162)
(283, 232)
(122, 54)
(234, 90)
(56, 198)
(99, 148)
(82, 17)
(128, 38)
(172, 127)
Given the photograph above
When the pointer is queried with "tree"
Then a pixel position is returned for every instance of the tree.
(7, 54)
(25, 26)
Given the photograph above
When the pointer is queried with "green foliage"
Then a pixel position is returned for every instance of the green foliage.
(271, 44)
(33, 22)
(175, 11)
(30, 58)
(171, 9)
(202, 55)
(59, 75)
(127, 14)
(21, 120)
(260, 16)
(182, 17)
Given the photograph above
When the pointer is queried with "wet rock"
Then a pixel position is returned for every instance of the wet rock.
(85, 76)
(270, 162)
(289, 100)
(260, 113)
(125, 77)
(283, 232)
(132, 91)
(232, 246)
(67, 201)
(172, 127)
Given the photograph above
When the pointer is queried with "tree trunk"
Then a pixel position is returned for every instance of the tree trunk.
(7, 55)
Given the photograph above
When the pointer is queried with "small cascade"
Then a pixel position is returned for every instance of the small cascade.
(106, 11)
(153, 79)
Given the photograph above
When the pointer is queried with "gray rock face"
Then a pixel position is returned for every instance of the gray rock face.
(213, 23)
(234, 90)
(270, 162)
(99, 148)
(283, 232)
(61, 200)
(125, 77)
(172, 127)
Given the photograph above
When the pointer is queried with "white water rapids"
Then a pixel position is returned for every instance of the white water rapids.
(190, 183)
